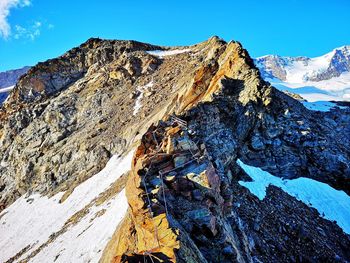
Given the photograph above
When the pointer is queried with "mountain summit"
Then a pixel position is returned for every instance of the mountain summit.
(121, 151)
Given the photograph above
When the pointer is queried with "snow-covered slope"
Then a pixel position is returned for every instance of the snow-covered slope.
(75, 230)
(322, 78)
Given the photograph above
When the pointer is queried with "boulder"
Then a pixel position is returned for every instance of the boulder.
(203, 218)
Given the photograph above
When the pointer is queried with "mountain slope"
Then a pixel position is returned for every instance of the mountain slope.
(322, 78)
(195, 118)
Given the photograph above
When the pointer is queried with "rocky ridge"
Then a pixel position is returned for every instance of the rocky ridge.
(201, 110)
(182, 192)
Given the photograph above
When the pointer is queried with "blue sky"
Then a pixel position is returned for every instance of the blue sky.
(35, 30)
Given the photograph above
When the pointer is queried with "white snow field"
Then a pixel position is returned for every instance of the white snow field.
(337, 88)
(330, 203)
(31, 220)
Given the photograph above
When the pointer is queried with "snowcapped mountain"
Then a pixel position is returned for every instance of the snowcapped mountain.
(321, 78)
(8, 79)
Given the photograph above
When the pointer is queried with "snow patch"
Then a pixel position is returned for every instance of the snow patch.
(31, 220)
(330, 203)
(164, 53)
(3, 90)
(141, 91)
(321, 105)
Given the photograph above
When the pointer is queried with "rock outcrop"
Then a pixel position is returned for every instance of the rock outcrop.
(190, 115)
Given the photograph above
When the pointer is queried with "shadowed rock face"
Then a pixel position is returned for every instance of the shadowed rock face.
(186, 205)
(67, 116)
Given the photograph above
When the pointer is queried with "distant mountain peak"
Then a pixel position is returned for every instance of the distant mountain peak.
(324, 67)
(329, 72)
(8, 79)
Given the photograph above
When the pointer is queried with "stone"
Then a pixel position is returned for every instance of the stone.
(166, 167)
(170, 148)
(155, 191)
(186, 144)
(257, 143)
(182, 184)
(115, 75)
(173, 130)
(213, 177)
(180, 160)
(200, 179)
(228, 250)
(203, 217)
(273, 132)
(187, 194)
(170, 178)
(156, 182)
(197, 195)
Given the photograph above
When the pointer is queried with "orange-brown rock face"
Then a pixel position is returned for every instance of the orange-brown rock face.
(198, 89)
(233, 62)
(163, 181)
(151, 232)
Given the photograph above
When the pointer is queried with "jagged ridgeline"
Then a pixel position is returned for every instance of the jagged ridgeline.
(225, 168)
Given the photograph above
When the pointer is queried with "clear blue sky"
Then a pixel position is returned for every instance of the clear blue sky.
(47, 28)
